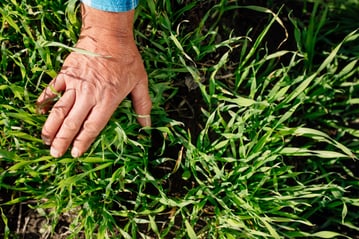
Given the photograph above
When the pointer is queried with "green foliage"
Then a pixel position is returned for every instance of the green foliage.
(277, 145)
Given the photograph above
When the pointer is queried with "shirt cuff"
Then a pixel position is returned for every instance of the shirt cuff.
(112, 5)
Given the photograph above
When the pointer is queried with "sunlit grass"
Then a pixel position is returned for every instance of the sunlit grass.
(276, 141)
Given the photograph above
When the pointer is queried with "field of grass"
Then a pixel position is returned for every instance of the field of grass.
(255, 133)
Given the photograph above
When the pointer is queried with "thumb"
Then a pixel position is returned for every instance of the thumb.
(142, 103)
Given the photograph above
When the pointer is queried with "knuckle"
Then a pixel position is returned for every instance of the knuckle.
(62, 141)
(71, 125)
(148, 103)
(88, 88)
(145, 104)
(46, 133)
(59, 111)
(91, 129)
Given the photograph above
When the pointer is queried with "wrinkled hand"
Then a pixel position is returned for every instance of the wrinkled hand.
(93, 86)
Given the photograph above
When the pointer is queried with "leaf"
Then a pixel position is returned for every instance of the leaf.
(344, 212)
(190, 231)
(9, 155)
(242, 101)
(6, 227)
(354, 101)
(334, 53)
(271, 230)
(321, 136)
(74, 49)
(301, 88)
(326, 234)
(307, 152)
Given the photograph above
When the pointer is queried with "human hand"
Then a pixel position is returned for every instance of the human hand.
(93, 86)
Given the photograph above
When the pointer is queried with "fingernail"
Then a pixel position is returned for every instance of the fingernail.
(46, 140)
(54, 153)
(148, 121)
(75, 152)
(40, 110)
(145, 120)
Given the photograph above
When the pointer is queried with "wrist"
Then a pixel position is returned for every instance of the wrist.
(102, 24)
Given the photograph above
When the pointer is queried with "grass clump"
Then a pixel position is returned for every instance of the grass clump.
(249, 140)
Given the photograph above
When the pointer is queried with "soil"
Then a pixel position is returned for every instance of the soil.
(186, 106)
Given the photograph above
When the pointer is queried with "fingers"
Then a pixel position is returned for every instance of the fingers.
(95, 122)
(142, 104)
(101, 113)
(75, 118)
(67, 125)
(58, 114)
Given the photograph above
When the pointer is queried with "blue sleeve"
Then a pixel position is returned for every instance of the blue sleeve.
(112, 5)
